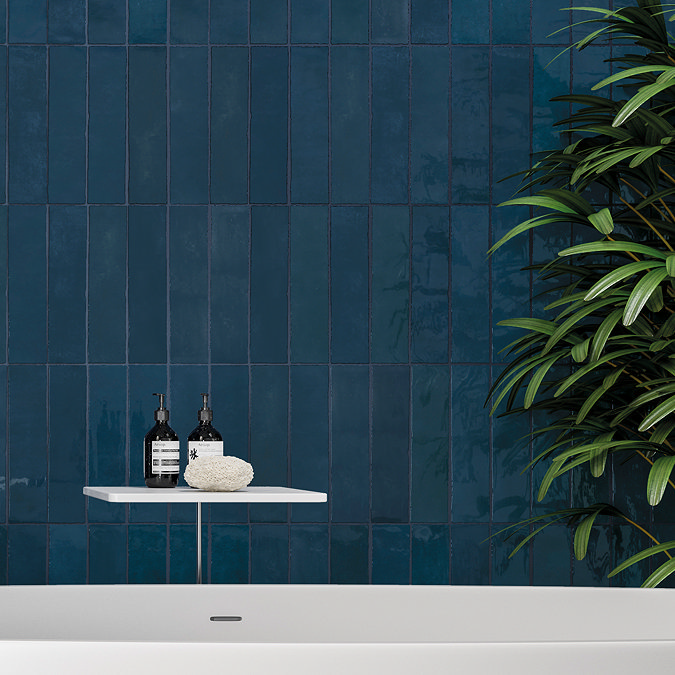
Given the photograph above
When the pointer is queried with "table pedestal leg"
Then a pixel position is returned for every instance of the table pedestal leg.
(199, 542)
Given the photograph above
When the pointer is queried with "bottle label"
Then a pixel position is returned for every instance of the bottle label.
(165, 456)
(204, 449)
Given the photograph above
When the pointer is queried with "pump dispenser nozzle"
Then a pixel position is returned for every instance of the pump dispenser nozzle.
(205, 413)
(161, 414)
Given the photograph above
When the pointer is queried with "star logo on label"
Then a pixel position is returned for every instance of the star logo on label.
(193, 454)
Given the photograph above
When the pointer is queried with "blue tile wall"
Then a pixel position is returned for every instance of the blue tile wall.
(285, 203)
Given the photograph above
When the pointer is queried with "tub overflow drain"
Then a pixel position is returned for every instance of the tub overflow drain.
(225, 618)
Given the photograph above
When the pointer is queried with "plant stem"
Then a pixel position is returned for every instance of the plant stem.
(642, 529)
(651, 227)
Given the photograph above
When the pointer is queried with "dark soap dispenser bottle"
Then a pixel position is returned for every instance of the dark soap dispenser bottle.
(204, 440)
(162, 451)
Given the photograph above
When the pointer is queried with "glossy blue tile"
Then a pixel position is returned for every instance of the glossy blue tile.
(67, 443)
(350, 462)
(3, 554)
(67, 554)
(470, 23)
(594, 568)
(269, 21)
(147, 284)
(430, 554)
(309, 124)
(309, 438)
(182, 553)
(229, 21)
(67, 283)
(107, 119)
(350, 125)
(470, 555)
(147, 554)
(107, 424)
(389, 20)
(269, 554)
(107, 284)
(390, 501)
(66, 21)
(390, 284)
(188, 284)
(548, 23)
(309, 20)
(189, 21)
(470, 284)
(636, 471)
(229, 283)
(470, 438)
(309, 284)
(189, 125)
(229, 124)
(107, 554)
(3, 20)
(349, 284)
(430, 444)
(27, 20)
(269, 124)
(269, 284)
(4, 420)
(469, 109)
(391, 554)
(107, 21)
(147, 21)
(627, 541)
(551, 78)
(3, 111)
(552, 556)
(147, 125)
(309, 554)
(229, 554)
(590, 66)
(269, 436)
(4, 264)
(27, 285)
(504, 570)
(510, 21)
(429, 293)
(27, 554)
(429, 21)
(349, 554)
(27, 143)
(389, 141)
(350, 21)
(429, 125)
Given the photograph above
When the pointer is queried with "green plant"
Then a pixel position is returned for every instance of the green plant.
(600, 364)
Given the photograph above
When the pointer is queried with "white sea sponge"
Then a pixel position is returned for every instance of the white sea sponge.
(218, 474)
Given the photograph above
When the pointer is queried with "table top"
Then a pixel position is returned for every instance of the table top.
(188, 494)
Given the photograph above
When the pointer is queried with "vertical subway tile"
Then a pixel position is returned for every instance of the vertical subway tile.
(309, 21)
(470, 109)
(229, 283)
(389, 20)
(147, 554)
(349, 21)
(551, 77)
(67, 283)
(269, 284)
(350, 463)
(147, 21)
(309, 284)
(309, 124)
(269, 127)
(430, 444)
(107, 284)
(391, 554)
(349, 554)
(593, 569)
(27, 285)
(470, 23)
(552, 555)
(349, 284)
(188, 284)
(390, 452)
(429, 311)
(430, 123)
(4, 423)
(147, 124)
(107, 119)
(350, 125)
(505, 570)
(309, 554)
(510, 21)
(182, 547)
(429, 21)
(67, 443)
(66, 21)
(229, 21)
(470, 555)
(430, 554)
(4, 281)
(107, 554)
(470, 284)
(389, 143)
(547, 22)
(229, 125)
(269, 554)
(27, 447)
(626, 542)
(470, 459)
(269, 21)
(147, 284)
(27, 554)
(3, 555)
(27, 20)
(4, 93)
(189, 125)
(107, 21)
(27, 147)
(189, 21)
(68, 554)
(390, 284)
(309, 437)
(229, 554)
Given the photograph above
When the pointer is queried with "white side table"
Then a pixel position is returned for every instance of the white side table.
(187, 494)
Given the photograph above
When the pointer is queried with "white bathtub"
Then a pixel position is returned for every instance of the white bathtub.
(334, 630)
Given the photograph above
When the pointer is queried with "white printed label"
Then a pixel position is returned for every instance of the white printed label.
(204, 449)
(165, 456)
